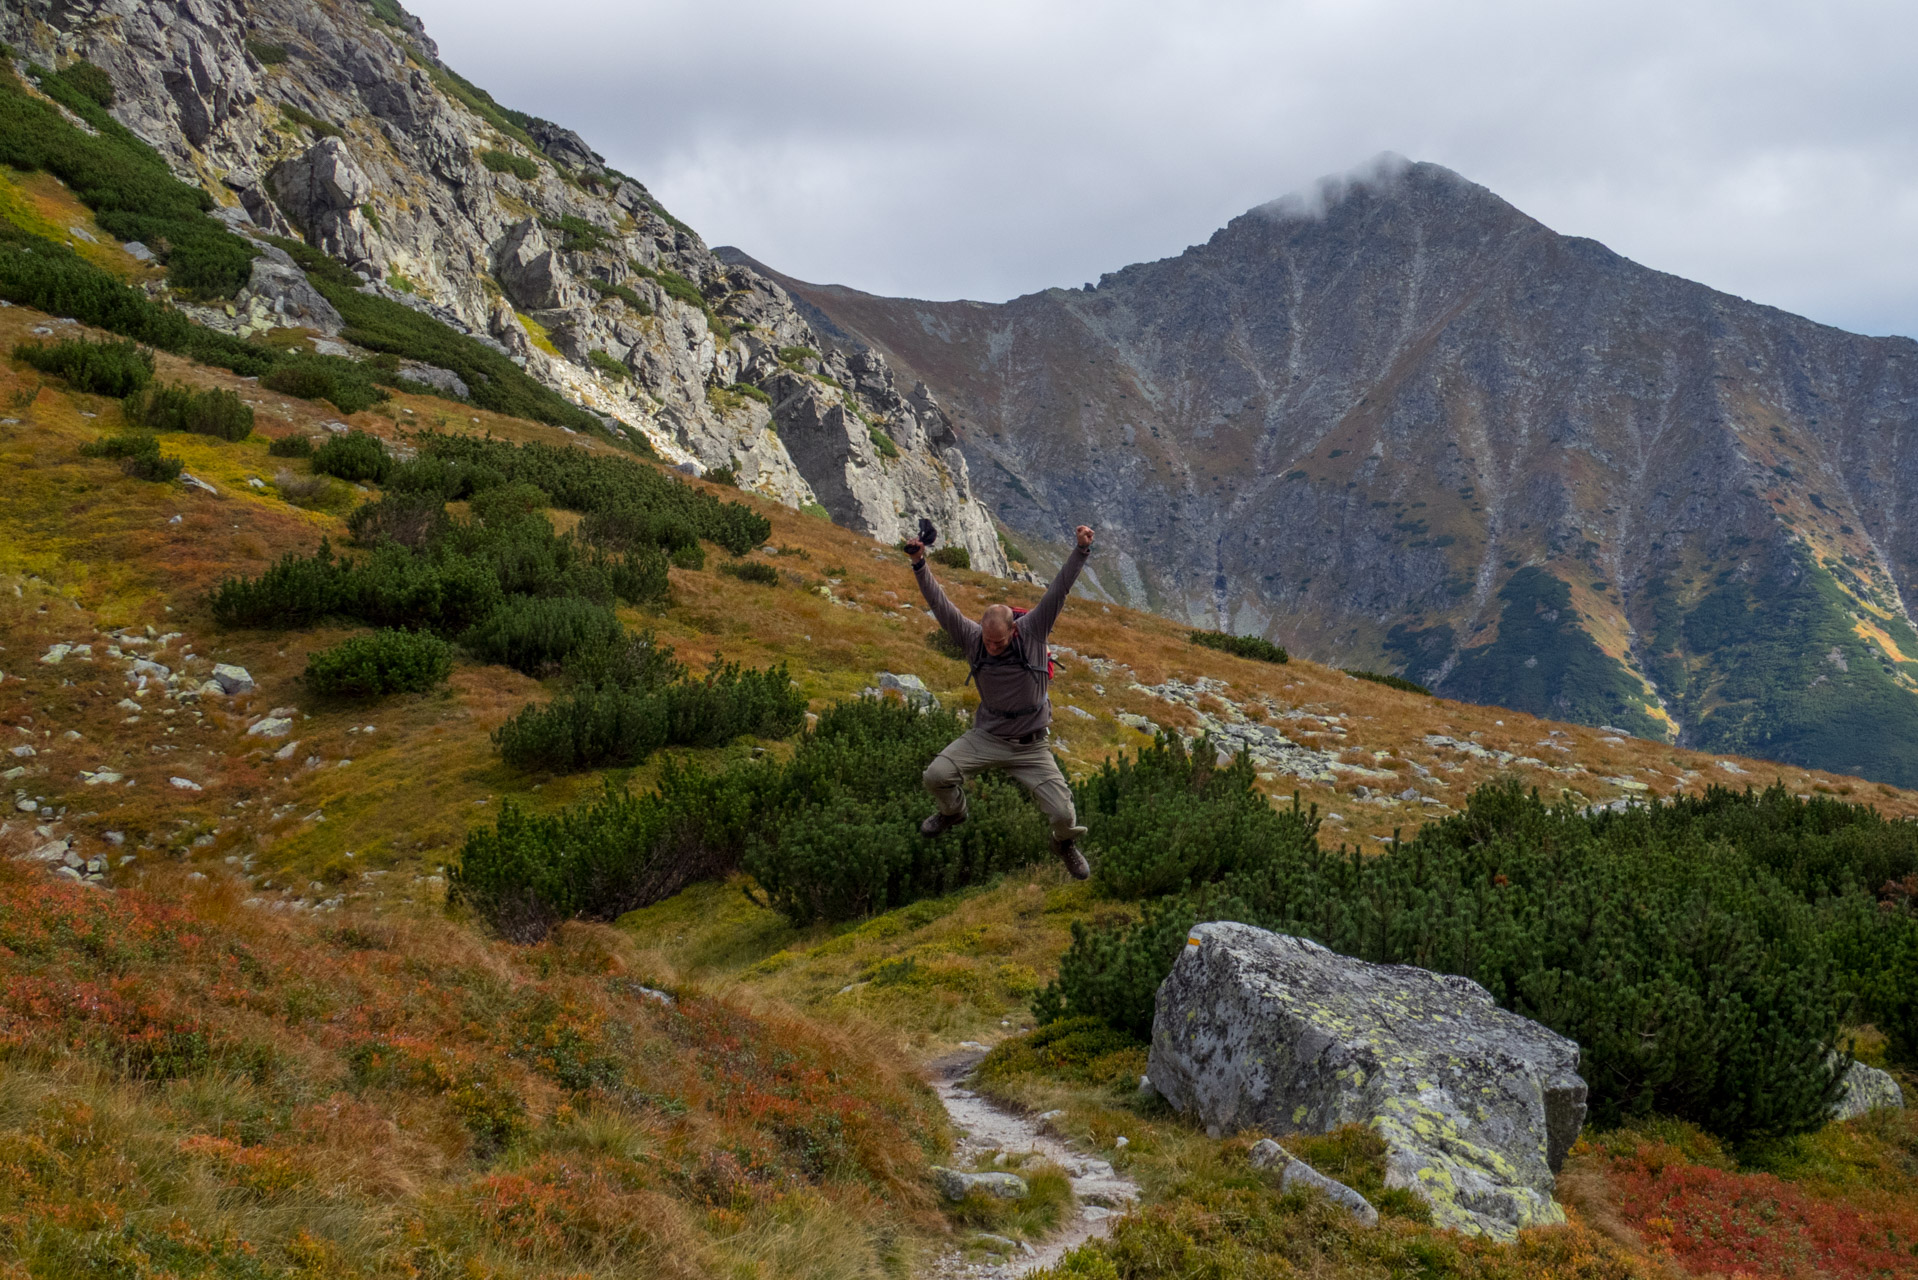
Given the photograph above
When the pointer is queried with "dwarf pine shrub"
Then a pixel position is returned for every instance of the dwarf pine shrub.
(383, 662)
(506, 162)
(356, 457)
(109, 367)
(612, 724)
(1257, 648)
(447, 480)
(177, 408)
(952, 557)
(139, 454)
(1391, 682)
(621, 495)
(349, 386)
(532, 634)
(1703, 952)
(409, 519)
(294, 446)
(752, 571)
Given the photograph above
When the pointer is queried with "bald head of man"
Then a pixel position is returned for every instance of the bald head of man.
(995, 628)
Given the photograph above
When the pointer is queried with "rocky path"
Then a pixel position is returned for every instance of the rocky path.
(1100, 1192)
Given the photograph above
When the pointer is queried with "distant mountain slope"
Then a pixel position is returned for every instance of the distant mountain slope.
(1404, 424)
(338, 123)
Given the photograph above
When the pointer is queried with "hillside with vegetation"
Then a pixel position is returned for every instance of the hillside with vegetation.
(446, 841)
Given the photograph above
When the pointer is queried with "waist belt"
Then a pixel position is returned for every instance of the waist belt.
(1015, 712)
(1026, 740)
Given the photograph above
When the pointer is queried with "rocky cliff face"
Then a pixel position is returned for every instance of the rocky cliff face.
(336, 121)
(1404, 425)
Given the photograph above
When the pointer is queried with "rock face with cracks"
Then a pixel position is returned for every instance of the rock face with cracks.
(357, 137)
(1477, 1105)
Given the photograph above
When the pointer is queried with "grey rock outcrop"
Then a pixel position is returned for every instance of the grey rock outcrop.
(1866, 1089)
(1477, 1106)
(1296, 1174)
(352, 143)
(957, 1184)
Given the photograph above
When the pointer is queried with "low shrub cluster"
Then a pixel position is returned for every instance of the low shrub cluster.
(1703, 952)
(108, 367)
(356, 457)
(383, 662)
(520, 167)
(624, 503)
(752, 571)
(295, 446)
(623, 708)
(1391, 682)
(347, 384)
(830, 835)
(1257, 648)
(952, 557)
(139, 454)
(534, 634)
(177, 408)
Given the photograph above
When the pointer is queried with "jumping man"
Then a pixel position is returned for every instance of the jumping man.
(1008, 659)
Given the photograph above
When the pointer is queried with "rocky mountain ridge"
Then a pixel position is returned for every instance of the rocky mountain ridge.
(1402, 425)
(336, 121)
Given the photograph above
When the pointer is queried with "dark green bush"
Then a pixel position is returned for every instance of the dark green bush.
(322, 128)
(356, 457)
(1256, 648)
(295, 446)
(752, 571)
(1702, 952)
(107, 367)
(532, 634)
(607, 365)
(628, 502)
(624, 294)
(90, 80)
(577, 234)
(726, 475)
(506, 162)
(383, 662)
(597, 861)
(346, 383)
(681, 289)
(1391, 682)
(139, 454)
(693, 557)
(267, 53)
(623, 725)
(951, 557)
(176, 408)
(1013, 553)
(449, 481)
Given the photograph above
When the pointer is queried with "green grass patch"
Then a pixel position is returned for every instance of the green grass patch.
(508, 162)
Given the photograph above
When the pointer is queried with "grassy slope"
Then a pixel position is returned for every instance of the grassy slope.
(90, 551)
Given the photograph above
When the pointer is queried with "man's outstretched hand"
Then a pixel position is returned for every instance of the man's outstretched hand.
(916, 550)
(1085, 537)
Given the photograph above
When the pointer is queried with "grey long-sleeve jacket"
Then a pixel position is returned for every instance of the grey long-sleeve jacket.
(1012, 688)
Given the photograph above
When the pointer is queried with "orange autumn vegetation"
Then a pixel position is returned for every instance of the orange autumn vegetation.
(189, 1088)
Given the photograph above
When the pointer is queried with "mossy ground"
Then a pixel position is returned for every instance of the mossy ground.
(339, 1178)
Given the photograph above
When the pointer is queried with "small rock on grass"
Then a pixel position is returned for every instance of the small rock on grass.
(956, 1184)
(1267, 1154)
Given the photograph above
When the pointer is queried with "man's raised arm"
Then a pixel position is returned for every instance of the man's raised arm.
(956, 624)
(1046, 612)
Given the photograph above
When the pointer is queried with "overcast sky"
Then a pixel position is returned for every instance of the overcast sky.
(996, 147)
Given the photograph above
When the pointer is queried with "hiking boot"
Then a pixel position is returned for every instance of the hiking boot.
(938, 824)
(1076, 865)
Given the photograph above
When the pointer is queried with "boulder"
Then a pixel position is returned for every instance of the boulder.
(233, 681)
(1477, 1106)
(530, 270)
(1866, 1089)
(1295, 1173)
(956, 1184)
(278, 280)
(909, 687)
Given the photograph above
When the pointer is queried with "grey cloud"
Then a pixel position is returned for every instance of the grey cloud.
(992, 148)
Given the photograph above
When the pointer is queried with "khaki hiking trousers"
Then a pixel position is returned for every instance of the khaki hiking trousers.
(1032, 767)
